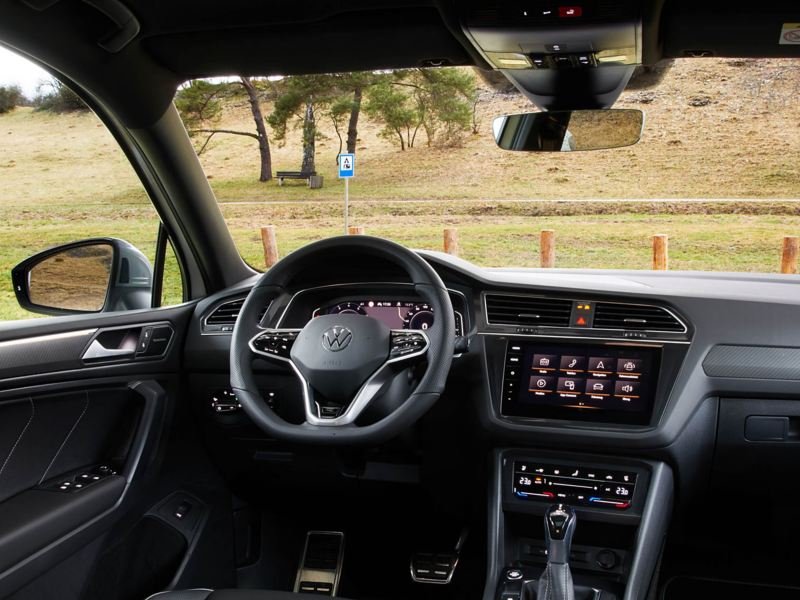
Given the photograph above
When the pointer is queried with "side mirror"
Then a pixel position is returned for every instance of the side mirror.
(569, 130)
(89, 276)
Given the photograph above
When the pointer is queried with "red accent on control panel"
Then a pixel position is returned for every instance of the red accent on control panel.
(567, 12)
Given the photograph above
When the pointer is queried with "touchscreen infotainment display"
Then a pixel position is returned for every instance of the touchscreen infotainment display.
(580, 382)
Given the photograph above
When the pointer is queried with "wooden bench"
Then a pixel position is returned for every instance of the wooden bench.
(282, 175)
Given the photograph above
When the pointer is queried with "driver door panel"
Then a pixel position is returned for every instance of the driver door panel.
(79, 440)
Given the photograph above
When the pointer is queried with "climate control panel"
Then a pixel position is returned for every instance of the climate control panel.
(574, 485)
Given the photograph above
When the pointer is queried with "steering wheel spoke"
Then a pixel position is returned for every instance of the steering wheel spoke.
(275, 343)
(407, 344)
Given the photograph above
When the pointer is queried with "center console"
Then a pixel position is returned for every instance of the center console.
(621, 508)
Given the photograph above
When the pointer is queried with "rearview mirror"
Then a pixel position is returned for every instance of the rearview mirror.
(569, 130)
(89, 276)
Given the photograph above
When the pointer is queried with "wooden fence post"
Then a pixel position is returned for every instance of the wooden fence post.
(451, 240)
(660, 252)
(547, 244)
(353, 230)
(791, 250)
(270, 243)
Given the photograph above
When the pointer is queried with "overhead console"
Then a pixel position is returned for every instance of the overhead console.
(568, 54)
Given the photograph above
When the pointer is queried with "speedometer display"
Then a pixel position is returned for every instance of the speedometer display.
(419, 316)
(396, 314)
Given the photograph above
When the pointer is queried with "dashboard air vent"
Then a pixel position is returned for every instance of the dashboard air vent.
(227, 313)
(608, 315)
(527, 310)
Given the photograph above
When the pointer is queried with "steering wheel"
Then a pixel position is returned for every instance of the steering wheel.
(344, 362)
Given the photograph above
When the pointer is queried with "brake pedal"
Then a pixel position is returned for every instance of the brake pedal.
(437, 567)
(321, 564)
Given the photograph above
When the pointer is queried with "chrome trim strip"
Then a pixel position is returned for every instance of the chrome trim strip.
(522, 295)
(364, 395)
(582, 338)
(36, 339)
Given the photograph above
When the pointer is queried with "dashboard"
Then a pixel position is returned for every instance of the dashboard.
(677, 342)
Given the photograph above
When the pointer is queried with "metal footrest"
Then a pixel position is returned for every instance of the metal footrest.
(321, 563)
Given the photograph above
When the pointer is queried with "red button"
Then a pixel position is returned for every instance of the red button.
(566, 12)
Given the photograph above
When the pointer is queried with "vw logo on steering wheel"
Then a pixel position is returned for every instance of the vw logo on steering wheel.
(336, 338)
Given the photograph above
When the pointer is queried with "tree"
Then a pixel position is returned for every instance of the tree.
(200, 105)
(57, 98)
(440, 101)
(299, 99)
(394, 107)
(306, 100)
(350, 90)
(10, 97)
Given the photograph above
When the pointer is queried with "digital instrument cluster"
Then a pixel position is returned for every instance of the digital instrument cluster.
(396, 314)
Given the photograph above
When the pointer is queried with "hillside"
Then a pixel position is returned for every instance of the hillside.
(714, 129)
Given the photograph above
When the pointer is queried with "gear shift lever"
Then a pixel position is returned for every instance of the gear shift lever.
(559, 527)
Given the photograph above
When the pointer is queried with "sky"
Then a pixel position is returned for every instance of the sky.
(16, 70)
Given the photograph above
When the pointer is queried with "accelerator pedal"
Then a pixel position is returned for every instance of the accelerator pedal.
(437, 567)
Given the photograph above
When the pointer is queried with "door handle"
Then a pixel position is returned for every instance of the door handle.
(97, 351)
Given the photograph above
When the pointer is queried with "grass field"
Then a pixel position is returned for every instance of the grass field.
(62, 178)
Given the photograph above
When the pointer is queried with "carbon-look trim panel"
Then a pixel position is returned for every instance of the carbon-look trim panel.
(43, 353)
(753, 362)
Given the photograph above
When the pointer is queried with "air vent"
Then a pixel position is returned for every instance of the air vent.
(226, 314)
(527, 310)
(635, 317)
(223, 318)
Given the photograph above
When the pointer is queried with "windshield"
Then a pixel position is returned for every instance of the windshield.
(717, 168)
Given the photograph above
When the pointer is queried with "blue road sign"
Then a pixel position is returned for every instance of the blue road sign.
(347, 165)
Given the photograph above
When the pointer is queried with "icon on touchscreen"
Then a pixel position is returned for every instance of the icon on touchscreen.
(573, 364)
(539, 385)
(629, 366)
(544, 362)
(601, 364)
(627, 389)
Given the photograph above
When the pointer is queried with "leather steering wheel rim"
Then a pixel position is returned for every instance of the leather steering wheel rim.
(274, 283)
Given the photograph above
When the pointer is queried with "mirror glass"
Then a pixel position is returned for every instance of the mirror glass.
(73, 279)
(568, 130)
